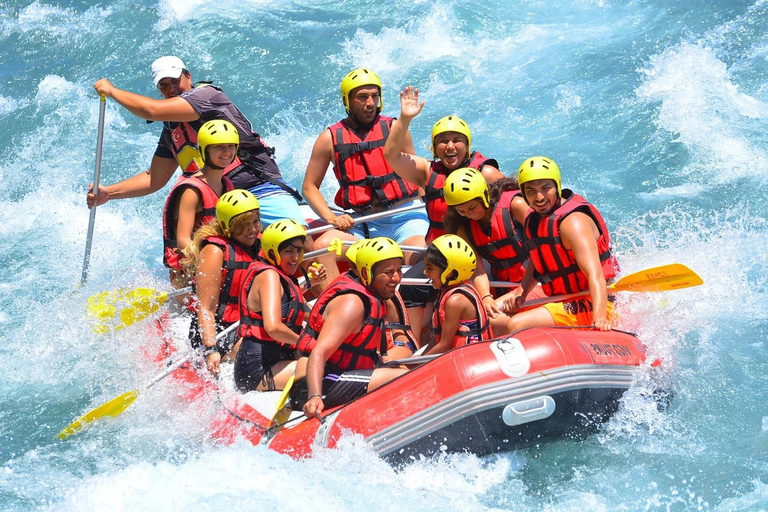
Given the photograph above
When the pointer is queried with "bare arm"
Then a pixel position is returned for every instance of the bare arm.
(343, 316)
(266, 294)
(480, 278)
(189, 204)
(208, 289)
(153, 179)
(492, 174)
(171, 109)
(322, 154)
(579, 234)
(519, 209)
(455, 310)
(408, 166)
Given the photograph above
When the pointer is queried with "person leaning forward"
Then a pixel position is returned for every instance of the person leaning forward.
(345, 333)
(367, 183)
(183, 110)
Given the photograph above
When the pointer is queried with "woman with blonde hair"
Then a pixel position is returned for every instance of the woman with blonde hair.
(217, 260)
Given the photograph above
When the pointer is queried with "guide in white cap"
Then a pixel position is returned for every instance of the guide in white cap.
(183, 109)
(167, 67)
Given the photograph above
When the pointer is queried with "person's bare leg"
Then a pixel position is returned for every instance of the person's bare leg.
(383, 375)
(419, 241)
(538, 317)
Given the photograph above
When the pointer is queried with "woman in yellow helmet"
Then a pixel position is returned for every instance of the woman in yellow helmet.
(451, 150)
(218, 259)
(192, 200)
(491, 220)
(272, 310)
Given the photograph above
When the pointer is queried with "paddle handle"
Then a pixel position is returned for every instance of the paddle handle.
(180, 291)
(370, 217)
(176, 364)
(417, 281)
(554, 298)
(96, 176)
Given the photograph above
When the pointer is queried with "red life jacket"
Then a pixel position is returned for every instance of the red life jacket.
(292, 304)
(362, 172)
(233, 269)
(171, 255)
(358, 351)
(503, 248)
(464, 335)
(555, 266)
(434, 196)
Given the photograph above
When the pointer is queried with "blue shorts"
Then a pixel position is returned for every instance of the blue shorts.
(398, 227)
(276, 204)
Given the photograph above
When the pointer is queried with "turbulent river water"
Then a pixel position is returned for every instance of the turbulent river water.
(655, 110)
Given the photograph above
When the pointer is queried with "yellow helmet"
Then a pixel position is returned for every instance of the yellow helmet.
(538, 168)
(465, 184)
(377, 249)
(216, 131)
(277, 233)
(358, 78)
(460, 257)
(351, 253)
(233, 203)
(452, 124)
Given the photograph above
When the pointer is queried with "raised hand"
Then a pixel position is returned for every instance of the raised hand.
(409, 103)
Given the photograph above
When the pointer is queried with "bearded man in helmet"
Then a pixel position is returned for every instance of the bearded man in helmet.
(570, 251)
(367, 183)
(345, 332)
(183, 110)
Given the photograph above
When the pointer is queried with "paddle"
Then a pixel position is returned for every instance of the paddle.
(139, 303)
(96, 174)
(370, 217)
(417, 281)
(657, 279)
(135, 305)
(118, 405)
(281, 412)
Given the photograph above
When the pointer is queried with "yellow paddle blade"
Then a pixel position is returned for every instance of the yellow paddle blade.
(658, 279)
(118, 309)
(114, 407)
(281, 412)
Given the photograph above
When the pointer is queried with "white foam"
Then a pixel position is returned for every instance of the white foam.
(701, 107)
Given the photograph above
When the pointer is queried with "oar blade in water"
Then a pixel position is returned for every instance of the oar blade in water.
(113, 408)
(118, 309)
(658, 279)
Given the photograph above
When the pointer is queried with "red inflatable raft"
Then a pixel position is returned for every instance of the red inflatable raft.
(483, 398)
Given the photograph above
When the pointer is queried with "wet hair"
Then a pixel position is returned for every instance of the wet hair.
(433, 256)
(237, 224)
(453, 220)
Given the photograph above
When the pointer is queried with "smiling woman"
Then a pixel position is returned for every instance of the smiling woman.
(272, 308)
(218, 257)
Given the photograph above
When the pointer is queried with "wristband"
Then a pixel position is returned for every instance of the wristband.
(310, 397)
(486, 295)
(209, 350)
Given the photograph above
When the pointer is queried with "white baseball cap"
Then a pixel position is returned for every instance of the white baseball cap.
(167, 67)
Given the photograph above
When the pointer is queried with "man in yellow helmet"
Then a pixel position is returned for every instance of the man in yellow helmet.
(345, 332)
(367, 183)
(183, 110)
(570, 251)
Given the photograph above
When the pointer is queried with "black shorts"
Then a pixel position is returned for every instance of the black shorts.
(342, 387)
(255, 360)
